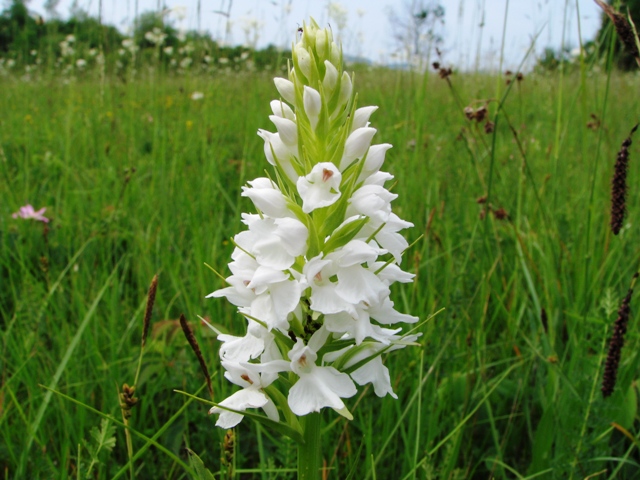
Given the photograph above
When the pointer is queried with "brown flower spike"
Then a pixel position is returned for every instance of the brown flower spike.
(619, 186)
(623, 28)
(616, 344)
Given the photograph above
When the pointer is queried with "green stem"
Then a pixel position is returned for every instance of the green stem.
(310, 452)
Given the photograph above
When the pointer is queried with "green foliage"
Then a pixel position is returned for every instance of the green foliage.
(101, 443)
(202, 473)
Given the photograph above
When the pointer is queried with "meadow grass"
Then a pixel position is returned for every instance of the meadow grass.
(139, 179)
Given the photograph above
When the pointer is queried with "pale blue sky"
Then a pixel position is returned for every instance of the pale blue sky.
(368, 32)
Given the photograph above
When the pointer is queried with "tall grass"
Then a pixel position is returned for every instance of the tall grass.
(139, 179)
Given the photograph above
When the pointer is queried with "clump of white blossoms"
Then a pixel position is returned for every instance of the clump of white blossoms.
(312, 272)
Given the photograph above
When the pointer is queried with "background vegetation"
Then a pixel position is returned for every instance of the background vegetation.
(139, 178)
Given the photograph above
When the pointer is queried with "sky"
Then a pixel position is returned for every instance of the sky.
(472, 32)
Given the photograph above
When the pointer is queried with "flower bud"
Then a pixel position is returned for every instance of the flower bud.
(287, 129)
(267, 197)
(322, 42)
(345, 88)
(312, 105)
(277, 153)
(304, 61)
(356, 145)
(361, 117)
(374, 160)
(330, 77)
(281, 109)
(286, 89)
(335, 54)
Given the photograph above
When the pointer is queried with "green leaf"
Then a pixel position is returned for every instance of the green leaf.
(543, 442)
(103, 439)
(202, 473)
(628, 408)
(345, 234)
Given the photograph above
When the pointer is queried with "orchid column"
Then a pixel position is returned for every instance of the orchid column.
(312, 271)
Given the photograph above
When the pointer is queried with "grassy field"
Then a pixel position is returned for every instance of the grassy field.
(140, 179)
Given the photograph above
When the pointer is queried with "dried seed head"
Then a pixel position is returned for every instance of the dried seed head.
(151, 299)
(191, 338)
(500, 214)
(470, 113)
(489, 127)
(127, 399)
(445, 72)
(228, 448)
(481, 113)
(619, 186)
(519, 77)
(594, 123)
(482, 199)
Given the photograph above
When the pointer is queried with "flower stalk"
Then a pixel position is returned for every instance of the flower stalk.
(309, 452)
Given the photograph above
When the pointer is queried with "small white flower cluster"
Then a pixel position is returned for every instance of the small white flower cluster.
(66, 46)
(312, 272)
(156, 36)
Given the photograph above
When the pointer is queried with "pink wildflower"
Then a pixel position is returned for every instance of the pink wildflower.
(27, 212)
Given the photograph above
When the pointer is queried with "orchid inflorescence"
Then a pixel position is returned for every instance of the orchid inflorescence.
(312, 272)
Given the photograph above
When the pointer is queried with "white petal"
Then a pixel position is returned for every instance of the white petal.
(376, 373)
(357, 284)
(241, 400)
(378, 178)
(275, 149)
(322, 388)
(325, 299)
(373, 201)
(264, 277)
(238, 293)
(267, 197)
(386, 314)
(240, 349)
(285, 297)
